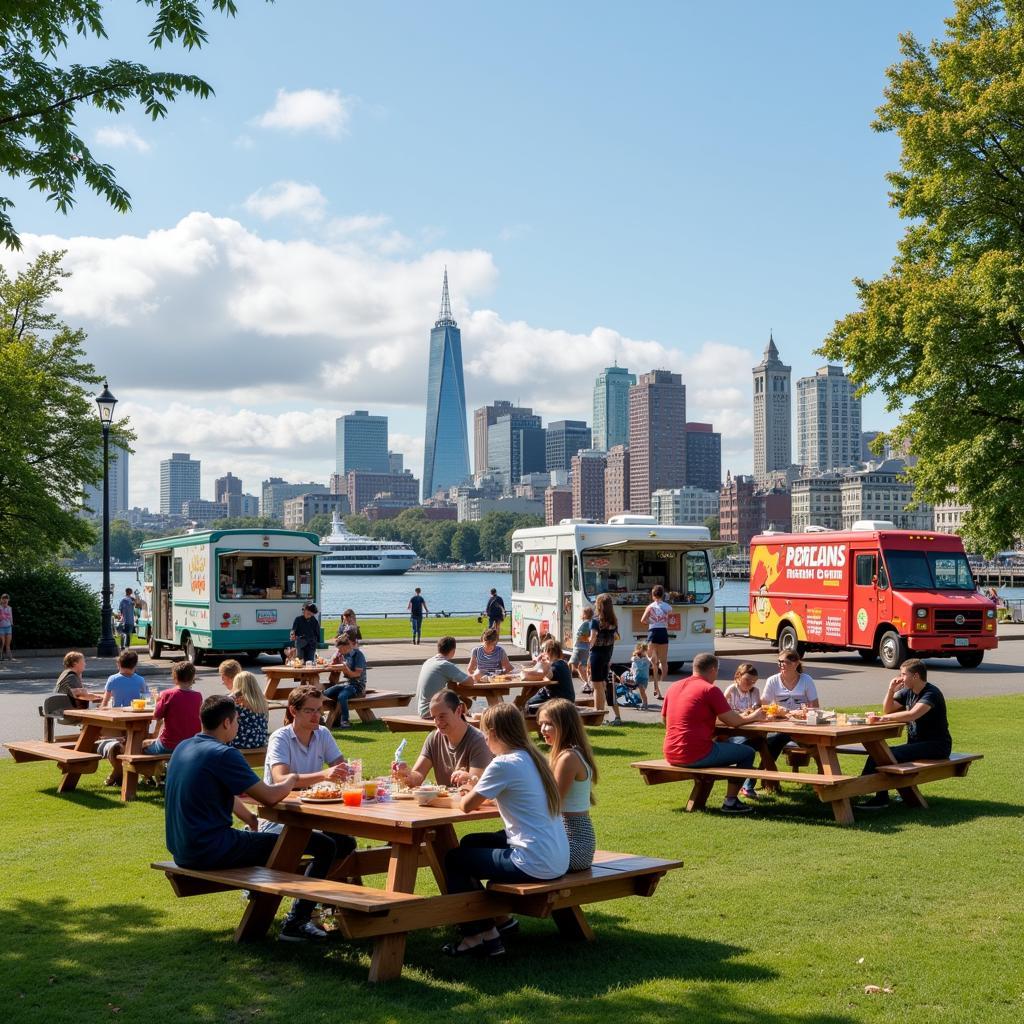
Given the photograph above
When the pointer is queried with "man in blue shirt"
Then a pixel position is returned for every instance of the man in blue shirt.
(417, 608)
(205, 778)
(126, 607)
(353, 668)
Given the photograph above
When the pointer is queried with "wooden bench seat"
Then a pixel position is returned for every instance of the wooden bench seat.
(413, 723)
(150, 764)
(957, 763)
(364, 706)
(82, 762)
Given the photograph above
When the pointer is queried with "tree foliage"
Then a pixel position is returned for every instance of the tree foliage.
(39, 98)
(52, 608)
(52, 442)
(941, 335)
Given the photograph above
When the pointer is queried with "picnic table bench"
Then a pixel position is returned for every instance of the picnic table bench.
(416, 837)
(363, 705)
(413, 723)
(147, 765)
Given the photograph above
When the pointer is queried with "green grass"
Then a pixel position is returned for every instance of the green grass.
(398, 628)
(780, 918)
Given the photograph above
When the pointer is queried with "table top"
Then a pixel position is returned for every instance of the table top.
(306, 670)
(105, 716)
(401, 814)
(827, 731)
(502, 685)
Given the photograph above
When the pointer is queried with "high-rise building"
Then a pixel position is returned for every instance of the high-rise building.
(275, 492)
(738, 519)
(588, 485)
(396, 462)
(563, 440)
(396, 487)
(515, 445)
(611, 407)
(557, 504)
(483, 419)
(657, 429)
(179, 482)
(773, 423)
(225, 485)
(117, 481)
(296, 512)
(616, 481)
(446, 445)
(684, 506)
(361, 442)
(828, 421)
(703, 457)
(242, 505)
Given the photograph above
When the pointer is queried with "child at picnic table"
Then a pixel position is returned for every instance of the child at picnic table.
(743, 696)
(560, 685)
(490, 656)
(124, 686)
(177, 708)
(533, 845)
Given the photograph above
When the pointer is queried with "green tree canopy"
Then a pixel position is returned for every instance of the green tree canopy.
(39, 97)
(52, 443)
(941, 335)
(466, 543)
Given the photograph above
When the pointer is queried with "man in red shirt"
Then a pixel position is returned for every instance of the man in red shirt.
(691, 708)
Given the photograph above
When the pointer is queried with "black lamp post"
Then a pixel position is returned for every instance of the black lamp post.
(107, 645)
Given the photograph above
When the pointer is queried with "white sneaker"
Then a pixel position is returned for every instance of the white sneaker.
(305, 932)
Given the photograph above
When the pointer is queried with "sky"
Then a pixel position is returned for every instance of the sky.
(661, 184)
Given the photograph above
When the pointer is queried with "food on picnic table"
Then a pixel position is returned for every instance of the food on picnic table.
(325, 790)
(800, 715)
(774, 710)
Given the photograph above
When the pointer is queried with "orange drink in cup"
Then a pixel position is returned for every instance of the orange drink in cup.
(369, 789)
(352, 796)
(139, 704)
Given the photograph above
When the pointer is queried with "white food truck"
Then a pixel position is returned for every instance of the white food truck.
(227, 591)
(557, 571)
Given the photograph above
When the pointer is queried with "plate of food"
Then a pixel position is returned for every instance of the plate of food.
(323, 793)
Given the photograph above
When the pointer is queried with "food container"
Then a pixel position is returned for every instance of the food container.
(139, 704)
(425, 795)
(856, 720)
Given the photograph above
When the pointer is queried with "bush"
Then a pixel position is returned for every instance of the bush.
(51, 608)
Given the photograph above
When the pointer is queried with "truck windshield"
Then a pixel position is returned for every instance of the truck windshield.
(929, 570)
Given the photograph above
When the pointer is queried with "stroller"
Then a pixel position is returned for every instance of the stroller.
(626, 691)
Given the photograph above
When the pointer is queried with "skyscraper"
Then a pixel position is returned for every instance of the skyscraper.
(564, 439)
(515, 445)
(657, 436)
(828, 421)
(611, 407)
(588, 468)
(446, 443)
(773, 424)
(703, 457)
(179, 482)
(361, 443)
(483, 419)
(117, 469)
(226, 485)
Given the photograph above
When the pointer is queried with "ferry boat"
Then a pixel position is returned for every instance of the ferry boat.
(348, 554)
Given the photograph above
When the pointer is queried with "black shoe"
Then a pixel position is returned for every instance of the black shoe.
(489, 948)
(736, 807)
(877, 803)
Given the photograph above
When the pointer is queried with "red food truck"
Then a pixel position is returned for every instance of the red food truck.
(888, 593)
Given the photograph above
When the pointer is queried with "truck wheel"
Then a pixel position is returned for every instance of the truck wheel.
(533, 643)
(892, 649)
(789, 641)
(193, 655)
(867, 655)
(972, 659)
(156, 649)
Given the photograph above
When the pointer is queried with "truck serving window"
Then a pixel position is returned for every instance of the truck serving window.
(265, 577)
(518, 579)
(699, 585)
(927, 570)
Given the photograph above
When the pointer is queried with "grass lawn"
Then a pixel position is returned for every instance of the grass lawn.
(778, 918)
(396, 628)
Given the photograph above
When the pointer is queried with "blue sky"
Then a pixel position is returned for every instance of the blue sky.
(663, 183)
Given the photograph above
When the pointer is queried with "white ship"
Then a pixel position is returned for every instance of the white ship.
(352, 555)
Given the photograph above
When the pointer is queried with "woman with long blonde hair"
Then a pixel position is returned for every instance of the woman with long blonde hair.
(575, 770)
(532, 846)
(253, 712)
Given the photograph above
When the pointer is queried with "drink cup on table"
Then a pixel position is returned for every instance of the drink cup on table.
(352, 796)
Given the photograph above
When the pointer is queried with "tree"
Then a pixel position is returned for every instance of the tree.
(51, 441)
(438, 547)
(941, 335)
(466, 543)
(320, 525)
(39, 99)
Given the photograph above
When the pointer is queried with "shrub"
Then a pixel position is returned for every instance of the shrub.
(52, 608)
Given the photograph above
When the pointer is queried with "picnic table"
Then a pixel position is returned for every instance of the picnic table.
(825, 742)
(275, 674)
(98, 721)
(493, 690)
(416, 837)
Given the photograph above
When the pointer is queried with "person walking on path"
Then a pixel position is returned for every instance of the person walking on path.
(495, 611)
(6, 627)
(417, 608)
(127, 626)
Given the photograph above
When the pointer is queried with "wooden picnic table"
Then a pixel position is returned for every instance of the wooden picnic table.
(98, 721)
(304, 674)
(494, 690)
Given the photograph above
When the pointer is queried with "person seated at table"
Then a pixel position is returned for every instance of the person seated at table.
(742, 695)
(692, 708)
(227, 670)
(71, 683)
(455, 751)
(912, 699)
(572, 763)
(438, 672)
(253, 712)
(303, 747)
(177, 708)
(559, 673)
(125, 685)
(351, 663)
(490, 656)
(306, 634)
(791, 688)
(205, 778)
(539, 668)
(532, 846)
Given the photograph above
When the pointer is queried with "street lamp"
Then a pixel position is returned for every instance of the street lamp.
(107, 645)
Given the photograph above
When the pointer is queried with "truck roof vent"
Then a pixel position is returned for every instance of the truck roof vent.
(575, 522)
(814, 528)
(873, 524)
(631, 520)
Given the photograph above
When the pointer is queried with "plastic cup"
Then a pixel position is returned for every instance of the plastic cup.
(369, 789)
(139, 704)
(355, 770)
(352, 797)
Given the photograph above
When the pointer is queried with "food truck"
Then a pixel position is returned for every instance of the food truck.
(557, 571)
(225, 592)
(887, 593)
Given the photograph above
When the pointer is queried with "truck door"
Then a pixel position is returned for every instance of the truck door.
(864, 613)
(563, 626)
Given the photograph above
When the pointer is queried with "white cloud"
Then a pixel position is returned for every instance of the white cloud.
(287, 197)
(122, 137)
(303, 110)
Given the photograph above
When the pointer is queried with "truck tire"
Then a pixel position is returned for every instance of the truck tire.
(156, 649)
(892, 649)
(867, 655)
(193, 655)
(972, 659)
(533, 643)
(789, 641)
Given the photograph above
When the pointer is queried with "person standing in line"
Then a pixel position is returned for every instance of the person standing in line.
(417, 608)
(126, 607)
(495, 611)
(306, 634)
(604, 629)
(655, 618)
(6, 627)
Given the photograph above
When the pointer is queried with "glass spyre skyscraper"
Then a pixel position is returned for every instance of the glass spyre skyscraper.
(446, 441)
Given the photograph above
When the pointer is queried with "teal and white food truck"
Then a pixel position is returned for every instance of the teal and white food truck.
(225, 592)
